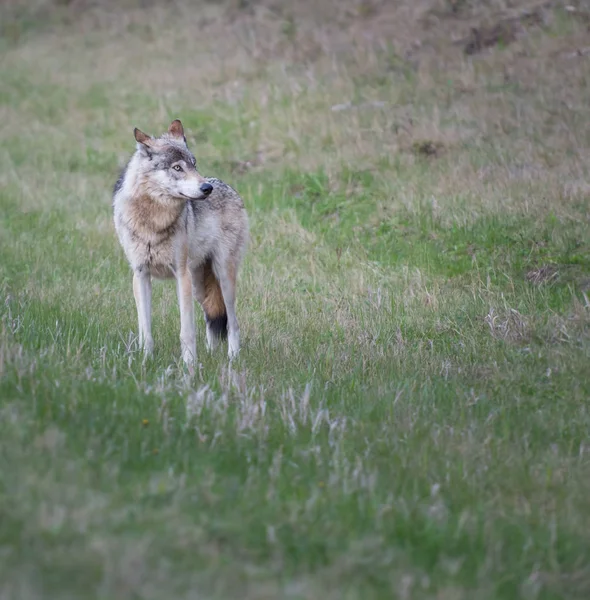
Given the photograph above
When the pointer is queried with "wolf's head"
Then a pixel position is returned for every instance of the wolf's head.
(167, 166)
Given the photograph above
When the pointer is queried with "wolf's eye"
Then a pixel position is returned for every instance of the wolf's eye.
(177, 168)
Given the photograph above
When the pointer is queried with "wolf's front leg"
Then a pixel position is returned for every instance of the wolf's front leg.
(188, 343)
(142, 290)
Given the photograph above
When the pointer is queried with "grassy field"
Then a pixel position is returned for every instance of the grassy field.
(409, 416)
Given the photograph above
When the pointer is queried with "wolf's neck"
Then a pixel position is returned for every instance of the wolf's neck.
(151, 214)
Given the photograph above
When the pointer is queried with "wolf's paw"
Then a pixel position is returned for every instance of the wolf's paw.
(189, 353)
(233, 343)
(148, 348)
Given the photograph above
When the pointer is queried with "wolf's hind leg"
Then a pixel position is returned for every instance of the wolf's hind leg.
(227, 279)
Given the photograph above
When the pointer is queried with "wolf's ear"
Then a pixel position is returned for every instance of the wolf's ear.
(141, 137)
(176, 129)
(144, 141)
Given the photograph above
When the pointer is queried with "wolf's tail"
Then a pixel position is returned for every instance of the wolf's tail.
(213, 305)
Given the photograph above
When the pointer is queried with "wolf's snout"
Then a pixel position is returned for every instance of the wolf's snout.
(206, 188)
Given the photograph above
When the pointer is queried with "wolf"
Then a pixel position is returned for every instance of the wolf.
(173, 223)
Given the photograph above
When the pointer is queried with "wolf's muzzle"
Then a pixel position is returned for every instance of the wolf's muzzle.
(206, 188)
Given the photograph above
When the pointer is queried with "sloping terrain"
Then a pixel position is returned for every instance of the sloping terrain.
(409, 415)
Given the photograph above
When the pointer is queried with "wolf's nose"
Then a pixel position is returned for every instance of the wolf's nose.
(206, 188)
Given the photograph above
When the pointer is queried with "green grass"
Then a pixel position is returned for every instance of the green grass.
(409, 416)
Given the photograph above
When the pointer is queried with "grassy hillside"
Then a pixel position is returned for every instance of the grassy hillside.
(409, 416)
